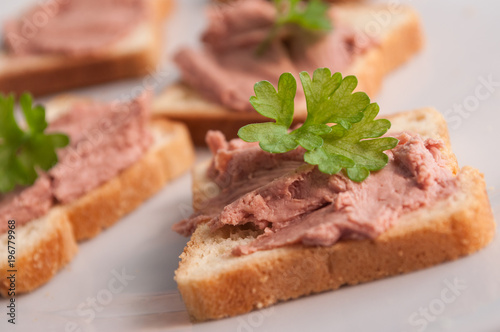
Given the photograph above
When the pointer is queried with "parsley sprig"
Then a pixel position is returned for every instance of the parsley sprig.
(353, 143)
(23, 151)
(310, 16)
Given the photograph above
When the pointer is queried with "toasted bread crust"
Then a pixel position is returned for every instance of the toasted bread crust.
(37, 263)
(181, 103)
(65, 75)
(200, 121)
(104, 206)
(60, 73)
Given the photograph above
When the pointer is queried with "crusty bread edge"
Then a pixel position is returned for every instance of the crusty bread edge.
(370, 69)
(80, 72)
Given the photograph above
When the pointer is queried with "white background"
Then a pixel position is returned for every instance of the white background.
(463, 45)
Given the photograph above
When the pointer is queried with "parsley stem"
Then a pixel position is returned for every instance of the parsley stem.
(264, 45)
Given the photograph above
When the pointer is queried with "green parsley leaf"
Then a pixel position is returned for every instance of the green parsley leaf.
(271, 137)
(23, 151)
(353, 143)
(364, 154)
(330, 99)
(311, 16)
(277, 105)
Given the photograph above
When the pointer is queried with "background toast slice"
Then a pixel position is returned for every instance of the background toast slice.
(132, 56)
(44, 246)
(399, 37)
(214, 284)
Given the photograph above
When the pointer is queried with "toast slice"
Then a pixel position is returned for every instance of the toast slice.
(397, 31)
(44, 246)
(214, 284)
(132, 56)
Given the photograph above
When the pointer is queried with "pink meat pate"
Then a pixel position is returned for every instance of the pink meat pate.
(105, 139)
(294, 203)
(73, 27)
(226, 68)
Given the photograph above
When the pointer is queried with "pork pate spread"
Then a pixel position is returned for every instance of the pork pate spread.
(227, 67)
(73, 27)
(105, 138)
(294, 203)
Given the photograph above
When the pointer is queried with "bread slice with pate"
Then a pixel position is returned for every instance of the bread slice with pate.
(215, 283)
(45, 245)
(398, 34)
(55, 68)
